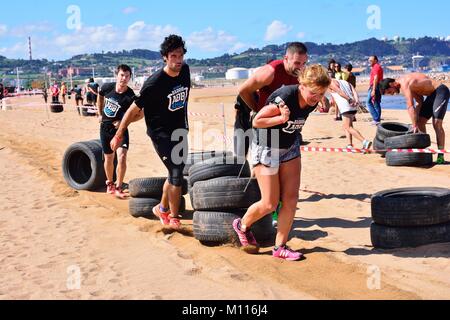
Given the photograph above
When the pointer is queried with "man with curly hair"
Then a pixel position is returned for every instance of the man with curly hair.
(164, 99)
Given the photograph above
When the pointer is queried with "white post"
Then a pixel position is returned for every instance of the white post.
(18, 81)
(224, 128)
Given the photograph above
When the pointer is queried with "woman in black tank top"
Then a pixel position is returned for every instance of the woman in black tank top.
(277, 160)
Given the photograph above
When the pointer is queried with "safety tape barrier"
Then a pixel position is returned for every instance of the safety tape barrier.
(365, 151)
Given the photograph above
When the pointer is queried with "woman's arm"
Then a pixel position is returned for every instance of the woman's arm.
(271, 116)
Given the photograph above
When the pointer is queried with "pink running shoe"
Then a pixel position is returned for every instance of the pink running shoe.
(286, 253)
(120, 194)
(247, 239)
(163, 217)
(110, 187)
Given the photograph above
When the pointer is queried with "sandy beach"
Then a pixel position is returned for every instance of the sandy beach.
(48, 230)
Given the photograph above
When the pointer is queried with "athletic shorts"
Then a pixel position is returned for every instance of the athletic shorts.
(435, 105)
(107, 133)
(173, 154)
(349, 114)
(272, 157)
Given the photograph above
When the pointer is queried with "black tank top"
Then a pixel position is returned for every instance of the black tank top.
(286, 133)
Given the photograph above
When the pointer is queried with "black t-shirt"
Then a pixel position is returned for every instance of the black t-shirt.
(94, 86)
(77, 91)
(1, 92)
(165, 101)
(116, 104)
(289, 131)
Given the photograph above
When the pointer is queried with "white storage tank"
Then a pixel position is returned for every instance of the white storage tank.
(236, 74)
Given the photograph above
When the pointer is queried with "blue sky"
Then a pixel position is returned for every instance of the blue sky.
(211, 28)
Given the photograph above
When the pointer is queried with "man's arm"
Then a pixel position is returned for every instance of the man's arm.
(410, 104)
(263, 77)
(133, 114)
(101, 105)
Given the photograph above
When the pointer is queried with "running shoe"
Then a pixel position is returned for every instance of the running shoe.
(110, 187)
(120, 194)
(163, 217)
(440, 159)
(247, 239)
(286, 253)
(174, 223)
(367, 144)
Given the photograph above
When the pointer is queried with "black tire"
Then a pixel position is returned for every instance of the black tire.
(196, 157)
(379, 147)
(402, 159)
(142, 207)
(385, 237)
(217, 227)
(151, 187)
(391, 129)
(410, 207)
(56, 108)
(85, 110)
(408, 141)
(225, 194)
(82, 166)
(218, 167)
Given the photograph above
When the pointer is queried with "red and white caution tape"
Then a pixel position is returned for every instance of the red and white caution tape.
(364, 151)
(418, 151)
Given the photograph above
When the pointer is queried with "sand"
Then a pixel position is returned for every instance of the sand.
(49, 231)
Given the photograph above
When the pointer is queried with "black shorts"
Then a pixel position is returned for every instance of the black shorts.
(174, 156)
(435, 105)
(107, 133)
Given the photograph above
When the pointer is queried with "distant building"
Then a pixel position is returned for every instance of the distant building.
(237, 74)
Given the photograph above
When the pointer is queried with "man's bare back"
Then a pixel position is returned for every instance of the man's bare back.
(419, 84)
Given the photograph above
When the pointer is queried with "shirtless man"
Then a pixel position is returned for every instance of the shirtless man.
(415, 87)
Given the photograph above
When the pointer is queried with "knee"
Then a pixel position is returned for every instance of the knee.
(109, 159)
(269, 206)
(122, 159)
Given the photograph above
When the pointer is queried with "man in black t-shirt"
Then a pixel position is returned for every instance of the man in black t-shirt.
(114, 101)
(164, 98)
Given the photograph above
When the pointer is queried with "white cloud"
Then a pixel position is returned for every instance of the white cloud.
(214, 41)
(3, 30)
(447, 39)
(129, 10)
(29, 29)
(142, 35)
(276, 30)
(301, 35)
(19, 49)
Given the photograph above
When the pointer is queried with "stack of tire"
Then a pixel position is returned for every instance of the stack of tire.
(56, 107)
(392, 135)
(82, 166)
(146, 193)
(410, 217)
(222, 191)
